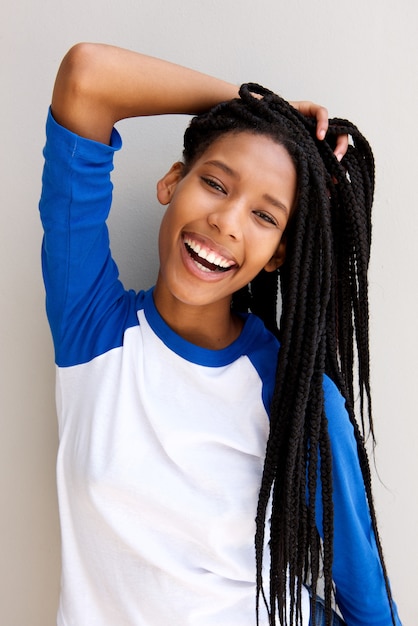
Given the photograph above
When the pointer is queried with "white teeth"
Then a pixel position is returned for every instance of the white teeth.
(210, 256)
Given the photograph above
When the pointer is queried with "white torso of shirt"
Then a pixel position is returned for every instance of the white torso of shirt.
(159, 469)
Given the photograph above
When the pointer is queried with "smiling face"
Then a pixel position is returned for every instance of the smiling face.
(225, 220)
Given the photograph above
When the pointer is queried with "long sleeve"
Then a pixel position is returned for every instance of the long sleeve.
(86, 303)
(357, 571)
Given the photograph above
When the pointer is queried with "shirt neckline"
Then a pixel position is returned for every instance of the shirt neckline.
(196, 354)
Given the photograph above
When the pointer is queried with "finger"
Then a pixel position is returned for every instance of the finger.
(341, 146)
(321, 114)
(310, 109)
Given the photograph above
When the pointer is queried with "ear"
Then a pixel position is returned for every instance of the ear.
(278, 257)
(167, 184)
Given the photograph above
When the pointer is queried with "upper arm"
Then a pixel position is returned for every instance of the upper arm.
(98, 84)
(79, 101)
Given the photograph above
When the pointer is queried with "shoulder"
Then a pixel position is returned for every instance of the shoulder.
(262, 348)
(259, 344)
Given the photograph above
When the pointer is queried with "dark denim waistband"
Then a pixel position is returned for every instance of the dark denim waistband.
(320, 615)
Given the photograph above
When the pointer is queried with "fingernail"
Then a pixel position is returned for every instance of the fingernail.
(339, 156)
(322, 133)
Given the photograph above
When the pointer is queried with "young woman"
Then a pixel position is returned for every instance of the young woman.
(185, 430)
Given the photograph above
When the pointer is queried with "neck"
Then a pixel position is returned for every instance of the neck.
(211, 326)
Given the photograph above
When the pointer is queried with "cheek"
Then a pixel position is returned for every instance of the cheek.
(269, 245)
(171, 227)
(270, 249)
(163, 236)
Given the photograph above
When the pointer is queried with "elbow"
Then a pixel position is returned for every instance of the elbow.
(74, 77)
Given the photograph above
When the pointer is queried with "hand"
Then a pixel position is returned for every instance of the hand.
(321, 114)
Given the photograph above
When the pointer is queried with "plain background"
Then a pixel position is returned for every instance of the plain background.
(360, 59)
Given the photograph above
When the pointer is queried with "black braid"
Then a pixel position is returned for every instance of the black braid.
(323, 329)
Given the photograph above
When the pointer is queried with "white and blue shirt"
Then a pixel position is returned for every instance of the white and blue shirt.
(162, 442)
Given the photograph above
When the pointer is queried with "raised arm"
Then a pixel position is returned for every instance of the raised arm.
(98, 85)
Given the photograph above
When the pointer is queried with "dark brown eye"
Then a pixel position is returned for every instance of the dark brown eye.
(266, 217)
(213, 184)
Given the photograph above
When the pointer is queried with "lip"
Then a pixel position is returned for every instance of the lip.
(210, 246)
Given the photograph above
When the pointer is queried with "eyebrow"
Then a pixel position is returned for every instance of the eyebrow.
(266, 196)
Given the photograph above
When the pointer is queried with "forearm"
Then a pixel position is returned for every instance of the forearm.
(97, 85)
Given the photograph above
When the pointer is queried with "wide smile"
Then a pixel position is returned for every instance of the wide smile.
(206, 257)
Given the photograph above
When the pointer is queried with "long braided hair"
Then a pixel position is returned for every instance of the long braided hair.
(323, 329)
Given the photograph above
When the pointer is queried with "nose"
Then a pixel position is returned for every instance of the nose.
(228, 220)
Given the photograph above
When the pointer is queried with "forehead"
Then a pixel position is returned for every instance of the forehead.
(245, 152)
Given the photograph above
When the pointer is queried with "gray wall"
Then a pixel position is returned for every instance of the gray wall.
(360, 59)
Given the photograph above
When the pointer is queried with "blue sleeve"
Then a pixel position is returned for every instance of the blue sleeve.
(87, 307)
(357, 571)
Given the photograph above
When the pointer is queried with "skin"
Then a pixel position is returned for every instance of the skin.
(235, 201)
